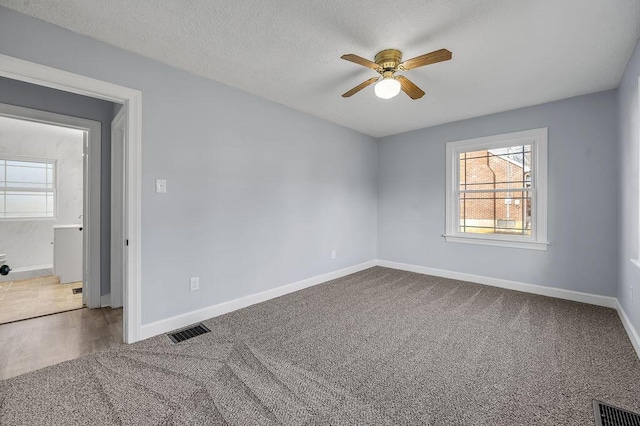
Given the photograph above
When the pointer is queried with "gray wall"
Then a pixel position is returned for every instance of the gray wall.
(258, 194)
(27, 95)
(582, 199)
(629, 274)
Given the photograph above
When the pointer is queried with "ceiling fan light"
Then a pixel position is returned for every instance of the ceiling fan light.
(387, 88)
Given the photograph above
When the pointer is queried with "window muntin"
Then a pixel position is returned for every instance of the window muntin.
(27, 188)
(496, 190)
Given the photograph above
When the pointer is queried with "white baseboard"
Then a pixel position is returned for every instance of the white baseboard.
(629, 328)
(178, 321)
(105, 300)
(27, 272)
(576, 296)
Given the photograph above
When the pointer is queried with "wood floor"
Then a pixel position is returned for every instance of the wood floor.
(39, 342)
(35, 297)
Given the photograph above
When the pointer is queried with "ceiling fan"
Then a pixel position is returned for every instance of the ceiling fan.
(387, 63)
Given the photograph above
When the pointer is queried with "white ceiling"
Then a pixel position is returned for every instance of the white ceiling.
(506, 53)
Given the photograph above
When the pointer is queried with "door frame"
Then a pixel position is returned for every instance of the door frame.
(91, 148)
(42, 75)
(118, 207)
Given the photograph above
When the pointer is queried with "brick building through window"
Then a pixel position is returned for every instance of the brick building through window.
(499, 202)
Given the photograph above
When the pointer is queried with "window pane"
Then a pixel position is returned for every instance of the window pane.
(503, 168)
(496, 213)
(28, 191)
(26, 202)
(26, 175)
(49, 204)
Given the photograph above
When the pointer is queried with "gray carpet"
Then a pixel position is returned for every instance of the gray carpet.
(377, 347)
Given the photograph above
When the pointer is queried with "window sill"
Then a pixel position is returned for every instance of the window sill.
(636, 262)
(531, 245)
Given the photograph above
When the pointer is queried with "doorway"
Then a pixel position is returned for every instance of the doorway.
(49, 212)
(42, 75)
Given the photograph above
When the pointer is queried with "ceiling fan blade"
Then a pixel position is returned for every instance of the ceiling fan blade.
(359, 87)
(426, 59)
(409, 88)
(360, 61)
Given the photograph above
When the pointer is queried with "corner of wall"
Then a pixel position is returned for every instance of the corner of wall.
(628, 137)
(377, 230)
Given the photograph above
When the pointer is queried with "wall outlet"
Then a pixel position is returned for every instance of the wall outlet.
(195, 283)
(333, 254)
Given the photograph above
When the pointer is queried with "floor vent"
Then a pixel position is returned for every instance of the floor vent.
(608, 415)
(76, 290)
(188, 333)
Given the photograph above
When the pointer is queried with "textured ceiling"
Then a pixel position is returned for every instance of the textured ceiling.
(506, 53)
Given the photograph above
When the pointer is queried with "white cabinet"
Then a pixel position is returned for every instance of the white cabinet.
(67, 253)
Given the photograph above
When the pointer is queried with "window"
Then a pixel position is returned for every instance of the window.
(27, 188)
(497, 190)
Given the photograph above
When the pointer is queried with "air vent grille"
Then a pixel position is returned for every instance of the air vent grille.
(608, 415)
(188, 333)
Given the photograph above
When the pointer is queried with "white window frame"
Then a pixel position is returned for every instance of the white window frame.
(537, 138)
(52, 161)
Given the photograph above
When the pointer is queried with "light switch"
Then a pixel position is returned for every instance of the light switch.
(161, 186)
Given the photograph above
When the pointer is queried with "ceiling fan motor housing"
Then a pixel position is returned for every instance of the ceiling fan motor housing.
(388, 59)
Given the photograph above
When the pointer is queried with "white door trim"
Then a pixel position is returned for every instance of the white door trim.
(91, 189)
(118, 205)
(42, 75)
(636, 260)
